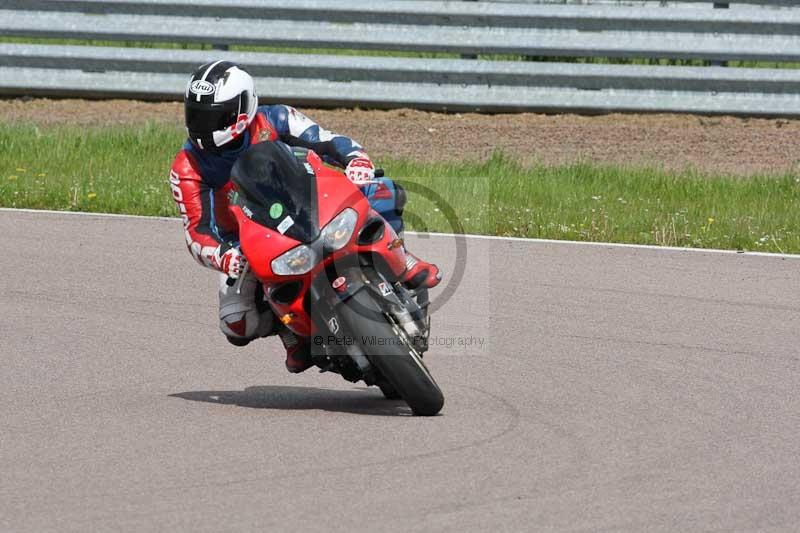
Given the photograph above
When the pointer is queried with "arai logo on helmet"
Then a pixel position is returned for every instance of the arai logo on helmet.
(202, 87)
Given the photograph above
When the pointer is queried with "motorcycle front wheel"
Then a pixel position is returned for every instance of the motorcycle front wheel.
(390, 352)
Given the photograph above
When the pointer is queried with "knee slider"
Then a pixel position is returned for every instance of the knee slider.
(246, 325)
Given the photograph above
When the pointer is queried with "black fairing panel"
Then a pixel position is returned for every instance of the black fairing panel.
(269, 173)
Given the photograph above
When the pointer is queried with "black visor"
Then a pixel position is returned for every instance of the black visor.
(204, 118)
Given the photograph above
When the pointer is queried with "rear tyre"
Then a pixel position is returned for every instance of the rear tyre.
(389, 351)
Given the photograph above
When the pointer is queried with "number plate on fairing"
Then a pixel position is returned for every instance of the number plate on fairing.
(385, 288)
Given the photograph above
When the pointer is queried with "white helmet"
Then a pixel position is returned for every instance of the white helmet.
(220, 104)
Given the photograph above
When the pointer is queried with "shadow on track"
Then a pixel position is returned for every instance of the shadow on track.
(356, 401)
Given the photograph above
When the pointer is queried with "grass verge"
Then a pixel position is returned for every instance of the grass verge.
(123, 170)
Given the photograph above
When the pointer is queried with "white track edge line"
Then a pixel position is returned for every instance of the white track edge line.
(83, 213)
(465, 235)
(613, 245)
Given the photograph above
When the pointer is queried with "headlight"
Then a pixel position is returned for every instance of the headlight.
(301, 259)
(298, 260)
(339, 230)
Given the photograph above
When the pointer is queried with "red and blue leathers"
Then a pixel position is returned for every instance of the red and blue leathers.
(200, 180)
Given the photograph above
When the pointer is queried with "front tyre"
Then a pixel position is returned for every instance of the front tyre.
(388, 391)
(389, 351)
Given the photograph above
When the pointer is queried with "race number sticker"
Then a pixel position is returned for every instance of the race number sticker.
(385, 288)
(285, 224)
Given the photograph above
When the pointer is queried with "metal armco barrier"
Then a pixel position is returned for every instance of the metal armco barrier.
(532, 46)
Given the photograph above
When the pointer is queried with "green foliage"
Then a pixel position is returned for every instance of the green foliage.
(589, 202)
(115, 170)
(124, 170)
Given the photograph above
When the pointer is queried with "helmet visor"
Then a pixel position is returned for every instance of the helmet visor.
(204, 119)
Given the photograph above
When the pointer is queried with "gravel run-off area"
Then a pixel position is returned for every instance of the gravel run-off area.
(714, 145)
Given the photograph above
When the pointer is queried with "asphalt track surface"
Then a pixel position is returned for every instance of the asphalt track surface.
(615, 389)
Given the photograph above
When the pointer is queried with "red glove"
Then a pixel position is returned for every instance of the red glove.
(360, 170)
(229, 261)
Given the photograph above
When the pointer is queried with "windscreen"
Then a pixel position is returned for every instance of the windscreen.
(277, 191)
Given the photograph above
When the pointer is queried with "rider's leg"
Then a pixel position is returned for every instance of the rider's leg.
(389, 199)
(241, 317)
(298, 351)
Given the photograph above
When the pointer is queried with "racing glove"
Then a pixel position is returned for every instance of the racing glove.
(360, 170)
(229, 260)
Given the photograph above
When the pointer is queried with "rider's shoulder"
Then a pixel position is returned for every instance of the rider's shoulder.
(185, 164)
(274, 108)
(279, 112)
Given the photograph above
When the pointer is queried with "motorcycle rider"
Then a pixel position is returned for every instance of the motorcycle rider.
(223, 119)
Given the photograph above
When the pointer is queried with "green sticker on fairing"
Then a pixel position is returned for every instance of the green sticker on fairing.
(275, 210)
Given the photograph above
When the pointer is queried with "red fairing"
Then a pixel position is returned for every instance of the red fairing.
(261, 245)
(336, 191)
(193, 197)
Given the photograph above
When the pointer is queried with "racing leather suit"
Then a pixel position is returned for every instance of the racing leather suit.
(200, 182)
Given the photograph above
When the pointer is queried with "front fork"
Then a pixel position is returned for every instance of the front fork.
(335, 342)
(333, 345)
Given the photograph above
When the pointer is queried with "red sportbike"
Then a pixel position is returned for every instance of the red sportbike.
(330, 266)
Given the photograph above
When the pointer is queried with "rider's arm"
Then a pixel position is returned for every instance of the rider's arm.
(296, 129)
(193, 197)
